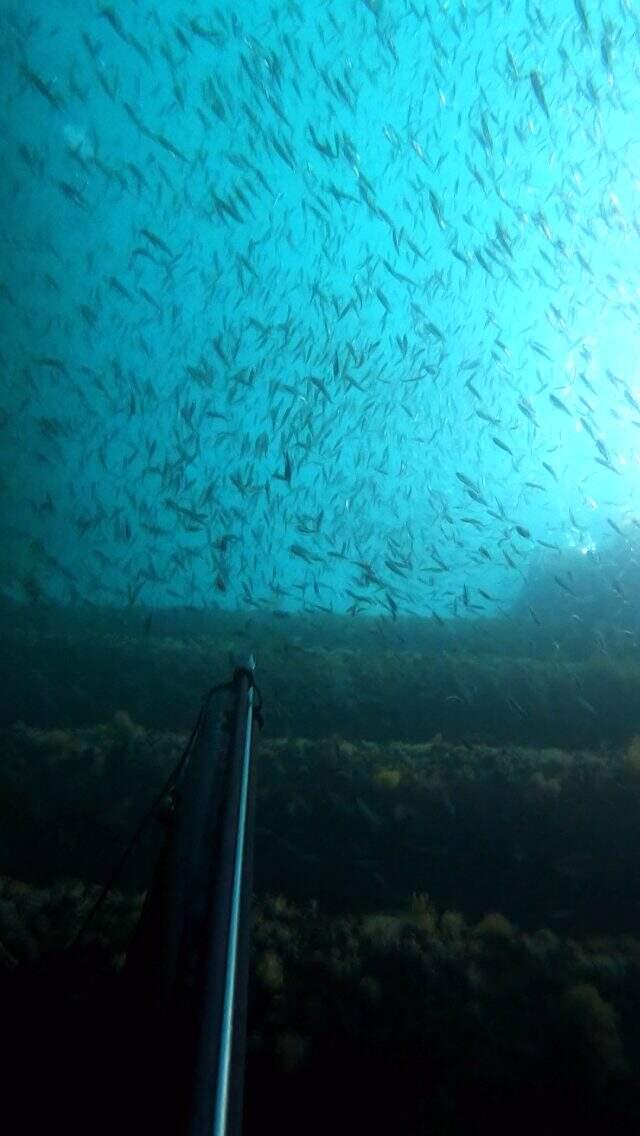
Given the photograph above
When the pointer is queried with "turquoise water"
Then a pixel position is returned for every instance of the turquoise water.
(323, 317)
(317, 306)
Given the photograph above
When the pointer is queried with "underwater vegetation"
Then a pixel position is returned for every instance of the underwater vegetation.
(548, 835)
(482, 680)
(412, 1016)
(445, 923)
(423, 1019)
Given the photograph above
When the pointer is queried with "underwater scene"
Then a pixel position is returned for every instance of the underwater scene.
(320, 341)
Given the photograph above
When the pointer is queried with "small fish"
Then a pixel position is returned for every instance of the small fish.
(513, 66)
(157, 241)
(526, 408)
(587, 706)
(583, 17)
(436, 209)
(320, 385)
(73, 194)
(367, 813)
(383, 299)
(557, 402)
(605, 52)
(467, 482)
(565, 587)
(286, 474)
(502, 445)
(169, 146)
(538, 90)
(540, 349)
(43, 88)
(486, 417)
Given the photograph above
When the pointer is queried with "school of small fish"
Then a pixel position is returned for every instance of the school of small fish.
(329, 306)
